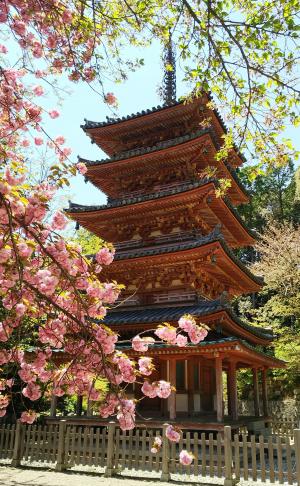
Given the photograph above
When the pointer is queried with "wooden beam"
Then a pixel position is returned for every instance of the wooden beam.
(172, 397)
(219, 388)
(255, 392)
(265, 391)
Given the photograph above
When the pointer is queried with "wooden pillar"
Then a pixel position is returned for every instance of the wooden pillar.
(79, 406)
(172, 397)
(255, 392)
(219, 388)
(164, 376)
(190, 385)
(232, 391)
(53, 406)
(265, 391)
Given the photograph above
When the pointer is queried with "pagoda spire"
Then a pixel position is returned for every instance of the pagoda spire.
(169, 80)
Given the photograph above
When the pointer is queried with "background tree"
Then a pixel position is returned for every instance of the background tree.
(278, 304)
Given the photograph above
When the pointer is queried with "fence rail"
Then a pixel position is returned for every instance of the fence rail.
(275, 459)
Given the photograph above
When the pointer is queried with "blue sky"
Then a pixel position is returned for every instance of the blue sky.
(137, 93)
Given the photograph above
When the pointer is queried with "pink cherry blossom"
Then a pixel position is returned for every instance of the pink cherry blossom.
(156, 445)
(105, 256)
(28, 417)
(149, 390)
(38, 141)
(54, 114)
(67, 16)
(110, 99)
(181, 340)
(186, 458)
(59, 221)
(32, 391)
(141, 344)
(24, 250)
(60, 140)
(167, 333)
(38, 90)
(145, 365)
(163, 389)
(173, 433)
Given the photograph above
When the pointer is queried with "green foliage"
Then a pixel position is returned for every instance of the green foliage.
(89, 242)
(279, 301)
(272, 196)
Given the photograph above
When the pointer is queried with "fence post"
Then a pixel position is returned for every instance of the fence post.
(16, 458)
(165, 472)
(228, 457)
(109, 470)
(60, 463)
(297, 454)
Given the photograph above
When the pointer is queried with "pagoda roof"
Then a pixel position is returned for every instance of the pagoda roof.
(134, 120)
(213, 237)
(127, 154)
(99, 175)
(211, 310)
(179, 189)
(187, 252)
(245, 353)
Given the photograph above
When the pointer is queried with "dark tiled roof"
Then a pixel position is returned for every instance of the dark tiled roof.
(214, 236)
(187, 186)
(162, 314)
(146, 150)
(113, 121)
(88, 124)
(216, 342)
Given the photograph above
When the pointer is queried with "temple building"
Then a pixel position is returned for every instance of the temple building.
(176, 240)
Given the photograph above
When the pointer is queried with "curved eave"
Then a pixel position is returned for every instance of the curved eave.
(245, 354)
(186, 252)
(100, 172)
(98, 130)
(224, 212)
(211, 315)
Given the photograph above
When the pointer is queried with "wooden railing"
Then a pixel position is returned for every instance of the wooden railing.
(216, 455)
(156, 240)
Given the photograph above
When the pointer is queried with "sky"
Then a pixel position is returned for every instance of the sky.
(139, 92)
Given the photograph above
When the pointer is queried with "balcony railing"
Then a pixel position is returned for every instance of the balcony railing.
(156, 240)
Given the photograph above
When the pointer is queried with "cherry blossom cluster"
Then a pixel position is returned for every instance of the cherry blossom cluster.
(54, 294)
(51, 38)
(173, 336)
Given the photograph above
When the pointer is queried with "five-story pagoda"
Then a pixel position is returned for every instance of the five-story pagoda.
(174, 238)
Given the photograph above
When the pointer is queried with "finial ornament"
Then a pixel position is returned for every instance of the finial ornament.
(169, 81)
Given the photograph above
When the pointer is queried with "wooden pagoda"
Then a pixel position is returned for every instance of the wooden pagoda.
(175, 246)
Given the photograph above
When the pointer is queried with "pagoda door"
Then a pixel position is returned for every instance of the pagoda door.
(207, 388)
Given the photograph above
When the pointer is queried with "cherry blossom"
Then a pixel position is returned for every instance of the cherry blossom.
(142, 344)
(28, 417)
(186, 458)
(156, 446)
(173, 433)
(49, 290)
